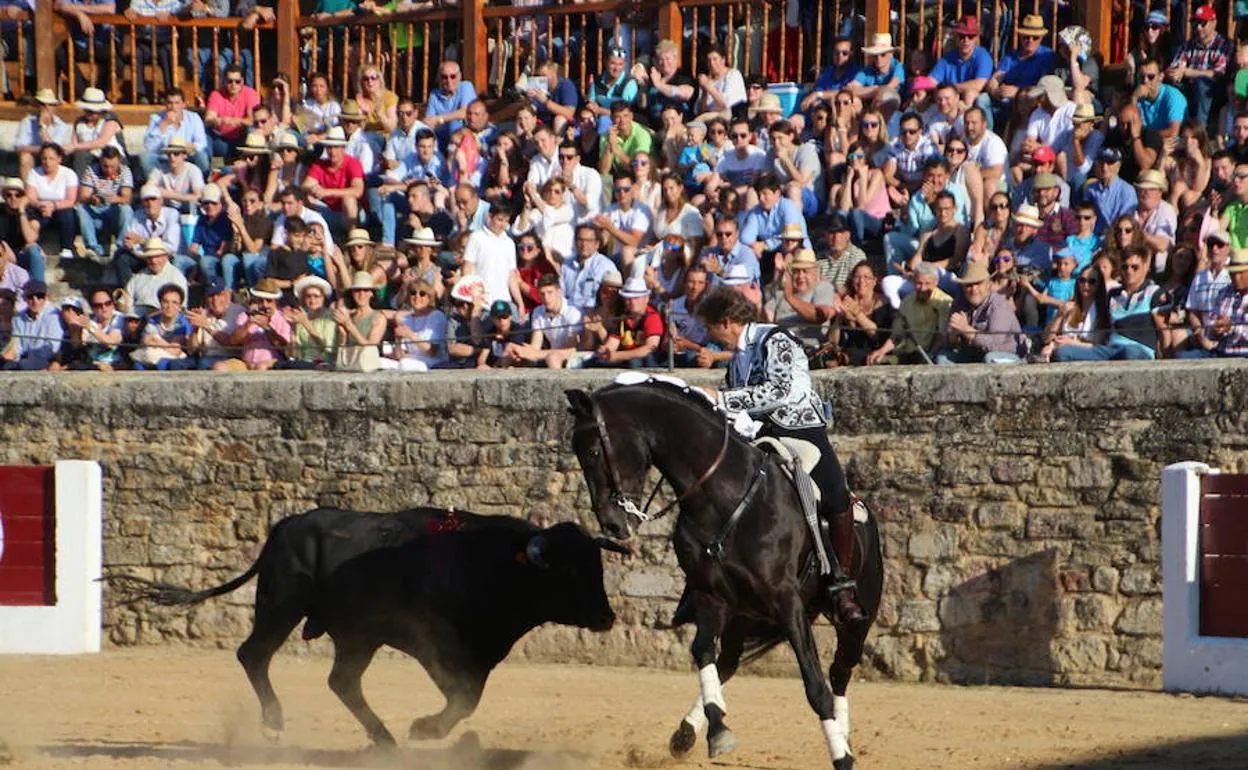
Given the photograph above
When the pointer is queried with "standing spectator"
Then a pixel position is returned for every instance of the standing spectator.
(1201, 66)
(491, 255)
(52, 191)
(174, 121)
(623, 140)
(105, 196)
(153, 219)
(449, 102)
(804, 305)
(36, 130)
(967, 66)
(982, 326)
(1162, 107)
(337, 182)
(36, 332)
(143, 287)
(229, 112)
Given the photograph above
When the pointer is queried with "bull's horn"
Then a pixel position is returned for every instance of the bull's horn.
(607, 544)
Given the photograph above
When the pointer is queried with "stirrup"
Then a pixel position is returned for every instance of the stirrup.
(837, 585)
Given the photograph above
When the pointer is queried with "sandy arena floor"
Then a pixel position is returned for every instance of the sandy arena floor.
(160, 708)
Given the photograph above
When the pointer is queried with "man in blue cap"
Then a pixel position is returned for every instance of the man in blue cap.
(36, 332)
(1111, 196)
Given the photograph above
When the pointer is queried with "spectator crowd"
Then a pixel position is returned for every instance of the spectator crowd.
(953, 211)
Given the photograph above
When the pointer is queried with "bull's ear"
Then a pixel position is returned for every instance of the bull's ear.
(579, 400)
(535, 551)
(607, 544)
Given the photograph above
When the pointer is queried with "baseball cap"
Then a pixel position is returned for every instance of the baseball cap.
(1205, 13)
(500, 308)
(73, 302)
(1109, 155)
(215, 286)
(1043, 154)
(34, 287)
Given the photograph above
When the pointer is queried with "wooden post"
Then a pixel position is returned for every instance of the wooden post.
(670, 29)
(45, 47)
(287, 23)
(1100, 22)
(474, 60)
(877, 19)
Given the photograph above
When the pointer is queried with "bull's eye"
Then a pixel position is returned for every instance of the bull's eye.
(594, 452)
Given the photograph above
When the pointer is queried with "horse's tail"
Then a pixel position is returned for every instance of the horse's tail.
(168, 595)
(757, 647)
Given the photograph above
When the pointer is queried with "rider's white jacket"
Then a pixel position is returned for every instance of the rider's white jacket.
(769, 379)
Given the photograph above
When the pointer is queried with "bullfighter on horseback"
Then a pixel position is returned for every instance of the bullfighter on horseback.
(769, 380)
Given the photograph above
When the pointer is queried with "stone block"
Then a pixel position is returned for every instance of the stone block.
(1088, 472)
(1105, 580)
(1003, 515)
(1141, 617)
(1013, 470)
(1141, 579)
(1048, 497)
(1051, 525)
(917, 616)
(957, 467)
(936, 544)
(1079, 654)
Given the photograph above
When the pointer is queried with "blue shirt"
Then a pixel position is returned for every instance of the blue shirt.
(192, 130)
(745, 256)
(831, 80)
(1058, 288)
(38, 339)
(766, 226)
(919, 216)
(1025, 73)
(564, 93)
(953, 69)
(1110, 202)
(580, 283)
(1170, 106)
(442, 103)
(211, 234)
(873, 77)
(1084, 248)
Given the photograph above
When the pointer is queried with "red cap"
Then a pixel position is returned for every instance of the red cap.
(967, 25)
(1043, 155)
(1205, 13)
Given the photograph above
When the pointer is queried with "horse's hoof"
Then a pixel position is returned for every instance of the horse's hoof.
(844, 763)
(271, 734)
(426, 729)
(683, 740)
(721, 742)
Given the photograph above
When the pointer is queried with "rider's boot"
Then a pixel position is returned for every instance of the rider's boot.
(841, 589)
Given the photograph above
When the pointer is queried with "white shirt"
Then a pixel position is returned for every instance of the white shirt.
(589, 182)
(560, 329)
(360, 146)
(493, 257)
(742, 171)
(636, 219)
(554, 229)
(688, 224)
(226, 325)
(309, 218)
(731, 87)
(1203, 295)
(430, 327)
(324, 115)
(991, 151)
(1052, 130)
(31, 134)
(542, 168)
(142, 286)
(51, 188)
(190, 180)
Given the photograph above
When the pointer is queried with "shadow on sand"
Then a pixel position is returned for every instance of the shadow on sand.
(1219, 752)
(465, 755)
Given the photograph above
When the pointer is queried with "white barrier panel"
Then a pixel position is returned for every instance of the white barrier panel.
(1191, 662)
(72, 625)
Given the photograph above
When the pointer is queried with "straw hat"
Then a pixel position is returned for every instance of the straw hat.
(423, 237)
(1032, 26)
(804, 258)
(12, 183)
(881, 42)
(1239, 261)
(335, 137)
(351, 113)
(47, 97)
(255, 144)
(177, 144)
(93, 100)
(358, 237)
(155, 247)
(1052, 87)
(286, 140)
(736, 275)
(975, 272)
(635, 288)
(1028, 214)
(1151, 179)
(266, 288)
(362, 281)
(792, 232)
(1084, 113)
(310, 281)
(612, 278)
(767, 103)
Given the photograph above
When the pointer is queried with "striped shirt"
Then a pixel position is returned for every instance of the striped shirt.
(106, 186)
(1196, 55)
(1233, 305)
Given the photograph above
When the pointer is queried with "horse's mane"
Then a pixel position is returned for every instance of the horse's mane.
(672, 391)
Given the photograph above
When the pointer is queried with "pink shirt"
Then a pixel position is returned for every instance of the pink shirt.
(258, 348)
(240, 107)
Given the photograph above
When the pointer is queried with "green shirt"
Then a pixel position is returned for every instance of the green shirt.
(398, 30)
(638, 141)
(1237, 224)
(335, 6)
(308, 349)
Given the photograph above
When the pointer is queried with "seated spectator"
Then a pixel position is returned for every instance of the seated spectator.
(1162, 107)
(448, 103)
(549, 217)
(500, 335)
(1082, 323)
(841, 256)
(1058, 222)
(98, 128)
(612, 86)
(477, 120)
(153, 219)
(628, 223)
(491, 255)
(721, 87)
(1157, 218)
(143, 287)
(228, 113)
(102, 332)
(665, 83)
(1132, 334)
(982, 327)
(911, 152)
(1041, 162)
(742, 165)
(1051, 122)
(336, 182)
(36, 332)
(318, 112)
(622, 141)
(765, 222)
(834, 77)
(1077, 156)
(583, 183)
(1084, 242)
(1022, 68)
(902, 243)
(179, 180)
(1188, 167)
(213, 326)
(804, 304)
(416, 261)
(993, 230)
(633, 340)
(545, 162)
(166, 333)
(291, 260)
(43, 127)
(676, 216)
(944, 116)
(252, 229)
(985, 149)
(798, 168)
(1200, 68)
(211, 239)
(1109, 194)
(1169, 305)
(464, 325)
(420, 332)
(1056, 291)
(19, 231)
(918, 327)
(251, 166)
(862, 197)
(293, 204)
(1154, 42)
(691, 343)
(261, 330)
(556, 329)
(73, 353)
(1024, 243)
(863, 319)
(52, 193)
(13, 277)
(469, 210)
(104, 211)
(553, 96)
(967, 66)
(586, 136)
(582, 273)
(1225, 331)
(1209, 282)
(879, 83)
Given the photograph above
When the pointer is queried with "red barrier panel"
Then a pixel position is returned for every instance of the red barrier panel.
(27, 536)
(1224, 555)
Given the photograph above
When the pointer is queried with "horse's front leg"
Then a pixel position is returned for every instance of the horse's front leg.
(732, 644)
(712, 617)
(796, 624)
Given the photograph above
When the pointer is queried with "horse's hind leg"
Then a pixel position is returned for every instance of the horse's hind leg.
(849, 643)
(797, 626)
(732, 644)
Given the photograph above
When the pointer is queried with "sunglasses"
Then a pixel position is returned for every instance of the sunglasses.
(1156, 26)
(407, 113)
(235, 81)
(717, 132)
(641, 163)
(627, 188)
(1087, 217)
(910, 131)
(1001, 206)
(12, 194)
(725, 233)
(740, 136)
(573, 156)
(448, 77)
(955, 151)
(870, 124)
(1126, 230)
(968, 37)
(373, 76)
(1002, 258)
(420, 294)
(1087, 281)
(99, 305)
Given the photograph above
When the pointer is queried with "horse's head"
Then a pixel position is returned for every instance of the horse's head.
(614, 462)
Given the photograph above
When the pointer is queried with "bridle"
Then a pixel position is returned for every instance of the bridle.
(616, 493)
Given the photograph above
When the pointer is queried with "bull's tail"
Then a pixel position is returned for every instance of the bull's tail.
(140, 589)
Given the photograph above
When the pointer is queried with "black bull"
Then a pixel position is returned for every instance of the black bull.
(453, 590)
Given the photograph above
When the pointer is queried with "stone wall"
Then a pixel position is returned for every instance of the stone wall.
(1019, 505)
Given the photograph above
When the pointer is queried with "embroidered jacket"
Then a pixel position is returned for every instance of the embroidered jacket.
(769, 379)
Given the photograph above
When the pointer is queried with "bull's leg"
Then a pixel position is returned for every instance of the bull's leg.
(462, 689)
(797, 625)
(271, 628)
(731, 646)
(351, 657)
(849, 643)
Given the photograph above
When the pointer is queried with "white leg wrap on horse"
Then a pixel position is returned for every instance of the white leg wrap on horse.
(840, 711)
(712, 690)
(697, 715)
(838, 741)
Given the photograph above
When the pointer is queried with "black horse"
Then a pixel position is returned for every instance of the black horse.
(752, 577)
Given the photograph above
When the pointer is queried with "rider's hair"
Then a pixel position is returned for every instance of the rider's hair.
(726, 304)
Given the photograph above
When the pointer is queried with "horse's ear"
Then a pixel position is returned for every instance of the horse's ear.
(579, 400)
